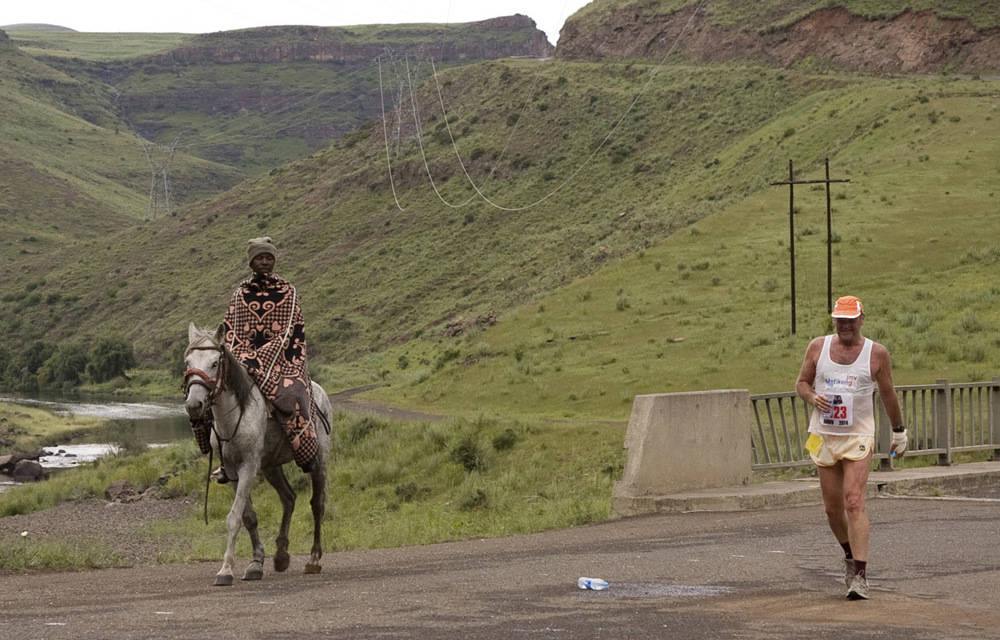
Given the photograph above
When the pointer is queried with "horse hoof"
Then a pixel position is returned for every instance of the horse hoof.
(313, 568)
(281, 561)
(223, 580)
(253, 574)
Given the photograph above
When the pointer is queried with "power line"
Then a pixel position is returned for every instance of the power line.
(582, 165)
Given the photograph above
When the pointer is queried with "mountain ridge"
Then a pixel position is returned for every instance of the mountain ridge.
(907, 41)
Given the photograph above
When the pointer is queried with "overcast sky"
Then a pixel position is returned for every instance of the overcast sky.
(205, 16)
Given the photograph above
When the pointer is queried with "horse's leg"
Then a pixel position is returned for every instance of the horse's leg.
(318, 504)
(254, 570)
(276, 476)
(234, 519)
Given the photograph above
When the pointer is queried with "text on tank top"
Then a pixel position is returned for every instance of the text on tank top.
(850, 388)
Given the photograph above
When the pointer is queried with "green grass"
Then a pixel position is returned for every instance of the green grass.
(709, 307)
(599, 296)
(26, 429)
(390, 484)
(25, 554)
(95, 47)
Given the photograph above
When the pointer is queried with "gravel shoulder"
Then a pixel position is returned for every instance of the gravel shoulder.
(119, 525)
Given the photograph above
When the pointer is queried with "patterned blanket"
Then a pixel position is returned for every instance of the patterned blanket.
(265, 331)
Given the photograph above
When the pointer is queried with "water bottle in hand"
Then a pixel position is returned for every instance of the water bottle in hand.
(595, 584)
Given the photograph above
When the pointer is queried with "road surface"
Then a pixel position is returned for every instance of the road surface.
(750, 575)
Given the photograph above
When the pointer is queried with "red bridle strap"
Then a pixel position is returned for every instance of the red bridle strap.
(208, 380)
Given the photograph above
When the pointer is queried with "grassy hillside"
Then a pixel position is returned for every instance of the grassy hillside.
(94, 47)
(914, 233)
(257, 98)
(598, 296)
(375, 276)
(70, 171)
(767, 15)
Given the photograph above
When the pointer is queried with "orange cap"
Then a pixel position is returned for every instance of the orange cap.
(847, 307)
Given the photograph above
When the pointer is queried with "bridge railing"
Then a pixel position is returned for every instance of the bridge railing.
(942, 418)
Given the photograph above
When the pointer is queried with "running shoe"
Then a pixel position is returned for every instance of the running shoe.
(848, 571)
(858, 589)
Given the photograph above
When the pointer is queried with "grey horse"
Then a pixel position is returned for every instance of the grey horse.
(249, 442)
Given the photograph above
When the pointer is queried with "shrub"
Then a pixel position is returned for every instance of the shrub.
(505, 440)
(66, 365)
(474, 501)
(35, 355)
(110, 358)
(470, 454)
(362, 428)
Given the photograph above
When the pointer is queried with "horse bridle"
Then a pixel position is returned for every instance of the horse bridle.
(215, 385)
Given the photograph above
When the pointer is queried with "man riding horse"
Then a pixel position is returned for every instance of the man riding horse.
(265, 331)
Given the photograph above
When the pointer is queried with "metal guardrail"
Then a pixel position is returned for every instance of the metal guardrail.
(942, 418)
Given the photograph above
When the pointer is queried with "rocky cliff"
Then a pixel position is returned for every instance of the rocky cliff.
(907, 42)
(508, 36)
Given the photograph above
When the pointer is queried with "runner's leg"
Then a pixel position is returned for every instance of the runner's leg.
(831, 483)
(855, 480)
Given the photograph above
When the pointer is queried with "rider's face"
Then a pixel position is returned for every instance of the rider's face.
(262, 264)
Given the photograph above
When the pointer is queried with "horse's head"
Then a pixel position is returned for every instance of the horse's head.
(203, 363)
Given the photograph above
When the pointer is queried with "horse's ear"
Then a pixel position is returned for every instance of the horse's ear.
(192, 332)
(220, 333)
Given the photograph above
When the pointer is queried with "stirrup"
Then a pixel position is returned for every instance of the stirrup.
(220, 475)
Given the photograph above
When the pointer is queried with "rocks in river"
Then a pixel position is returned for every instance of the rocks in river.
(23, 467)
(28, 471)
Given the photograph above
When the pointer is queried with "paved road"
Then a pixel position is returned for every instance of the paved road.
(762, 574)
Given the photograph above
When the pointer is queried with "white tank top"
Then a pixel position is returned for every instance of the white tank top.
(851, 390)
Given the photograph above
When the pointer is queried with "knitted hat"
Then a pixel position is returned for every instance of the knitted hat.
(257, 246)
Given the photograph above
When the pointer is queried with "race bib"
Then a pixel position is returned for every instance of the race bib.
(841, 413)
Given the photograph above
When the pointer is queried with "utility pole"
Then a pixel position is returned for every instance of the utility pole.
(791, 182)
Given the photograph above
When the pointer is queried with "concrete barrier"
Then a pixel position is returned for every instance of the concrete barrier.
(680, 442)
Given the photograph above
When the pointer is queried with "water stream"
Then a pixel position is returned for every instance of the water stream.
(137, 423)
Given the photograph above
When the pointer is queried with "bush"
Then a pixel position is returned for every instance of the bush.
(35, 355)
(65, 366)
(364, 427)
(110, 358)
(471, 455)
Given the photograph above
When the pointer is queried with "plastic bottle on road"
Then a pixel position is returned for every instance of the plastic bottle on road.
(595, 584)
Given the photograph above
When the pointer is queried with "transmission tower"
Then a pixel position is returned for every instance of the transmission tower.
(159, 156)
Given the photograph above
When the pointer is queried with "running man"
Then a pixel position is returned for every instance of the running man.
(838, 378)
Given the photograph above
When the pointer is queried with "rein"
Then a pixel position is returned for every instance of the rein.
(215, 386)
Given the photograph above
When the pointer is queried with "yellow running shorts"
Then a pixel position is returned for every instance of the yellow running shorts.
(829, 450)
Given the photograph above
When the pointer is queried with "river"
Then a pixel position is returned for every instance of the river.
(134, 423)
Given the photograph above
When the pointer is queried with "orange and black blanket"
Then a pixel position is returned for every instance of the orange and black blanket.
(266, 332)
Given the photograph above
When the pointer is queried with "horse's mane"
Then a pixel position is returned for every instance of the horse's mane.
(235, 376)
(237, 379)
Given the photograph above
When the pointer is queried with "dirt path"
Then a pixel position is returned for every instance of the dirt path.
(345, 400)
(751, 575)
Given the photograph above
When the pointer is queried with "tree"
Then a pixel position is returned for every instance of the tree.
(110, 358)
(34, 356)
(65, 366)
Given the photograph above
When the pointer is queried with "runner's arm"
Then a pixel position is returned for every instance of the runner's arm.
(804, 385)
(886, 390)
